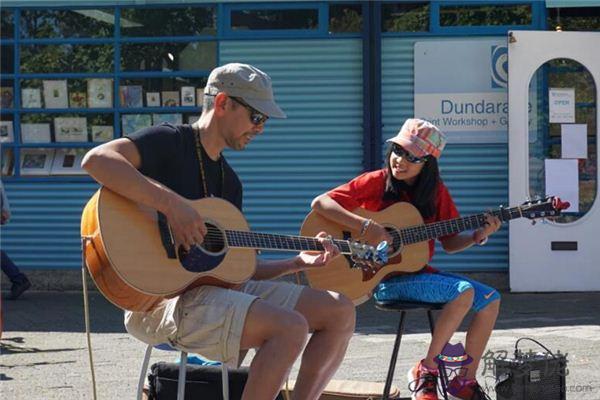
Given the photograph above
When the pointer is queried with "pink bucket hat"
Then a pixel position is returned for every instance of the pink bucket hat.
(421, 138)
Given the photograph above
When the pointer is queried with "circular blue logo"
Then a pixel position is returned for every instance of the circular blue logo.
(499, 66)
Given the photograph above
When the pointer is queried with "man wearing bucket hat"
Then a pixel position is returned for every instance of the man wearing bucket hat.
(411, 175)
(159, 167)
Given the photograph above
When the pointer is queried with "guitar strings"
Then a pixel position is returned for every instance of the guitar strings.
(412, 233)
(415, 233)
(216, 237)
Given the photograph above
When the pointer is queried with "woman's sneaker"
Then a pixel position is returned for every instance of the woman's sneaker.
(458, 389)
(422, 382)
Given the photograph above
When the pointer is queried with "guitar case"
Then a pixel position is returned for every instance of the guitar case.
(204, 382)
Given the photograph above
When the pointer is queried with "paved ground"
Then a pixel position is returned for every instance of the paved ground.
(44, 353)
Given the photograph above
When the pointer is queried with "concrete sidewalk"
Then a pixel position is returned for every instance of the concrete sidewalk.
(44, 351)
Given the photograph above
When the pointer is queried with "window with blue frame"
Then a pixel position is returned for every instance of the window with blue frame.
(274, 19)
(405, 17)
(485, 15)
(345, 18)
(7, 24)
(574, 18)
(72, 78)
(466, 17)
(86, 23)
(183, 21)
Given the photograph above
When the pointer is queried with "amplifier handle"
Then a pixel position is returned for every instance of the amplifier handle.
(535, 341)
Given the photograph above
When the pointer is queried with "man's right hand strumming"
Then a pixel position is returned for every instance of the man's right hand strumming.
(186, 224)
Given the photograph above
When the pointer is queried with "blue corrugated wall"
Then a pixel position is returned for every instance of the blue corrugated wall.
(476, 174)
(319, 85)
(44, 229)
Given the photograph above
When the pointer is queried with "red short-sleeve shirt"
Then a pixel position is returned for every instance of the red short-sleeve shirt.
(366, 191)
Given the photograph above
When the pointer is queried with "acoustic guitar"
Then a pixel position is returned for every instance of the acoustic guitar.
(409, 251)
(135, 263)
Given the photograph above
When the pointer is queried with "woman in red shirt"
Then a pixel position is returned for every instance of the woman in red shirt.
(411, 175)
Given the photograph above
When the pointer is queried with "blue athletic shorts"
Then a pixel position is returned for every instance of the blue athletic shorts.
(439, 287)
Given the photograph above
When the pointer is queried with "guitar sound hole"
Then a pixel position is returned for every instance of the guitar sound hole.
(214, 242)
(396, 243)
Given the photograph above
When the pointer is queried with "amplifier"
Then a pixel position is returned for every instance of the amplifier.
(539, 376)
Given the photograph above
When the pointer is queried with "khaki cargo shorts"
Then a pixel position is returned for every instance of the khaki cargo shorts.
(210, 320)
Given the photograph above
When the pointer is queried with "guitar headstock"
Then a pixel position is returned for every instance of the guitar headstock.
(547, 207)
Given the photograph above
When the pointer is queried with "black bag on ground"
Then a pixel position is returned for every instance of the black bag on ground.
(202, 382)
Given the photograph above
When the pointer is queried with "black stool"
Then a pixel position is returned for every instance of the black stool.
(403, 307)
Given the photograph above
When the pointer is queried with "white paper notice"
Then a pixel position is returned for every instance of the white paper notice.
(562, 180)
(573, 140)
(562, 105)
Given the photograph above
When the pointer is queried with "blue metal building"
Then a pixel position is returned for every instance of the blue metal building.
(342, 71)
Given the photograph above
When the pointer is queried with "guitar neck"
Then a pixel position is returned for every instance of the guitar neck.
(267, 241)
(421, 233)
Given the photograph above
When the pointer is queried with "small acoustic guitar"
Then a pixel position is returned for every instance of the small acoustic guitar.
(133, 260)
(409, 251)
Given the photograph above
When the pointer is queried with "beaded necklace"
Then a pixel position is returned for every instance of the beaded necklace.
(201, 162)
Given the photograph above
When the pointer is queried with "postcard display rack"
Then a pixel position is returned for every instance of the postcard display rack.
(51, 119)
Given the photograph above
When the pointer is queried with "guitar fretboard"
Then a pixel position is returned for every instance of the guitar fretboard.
(267, 241)
(422, 233)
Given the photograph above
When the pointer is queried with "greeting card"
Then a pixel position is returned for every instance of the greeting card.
(6, 132)
(188, 96)
(131, 96)
(70, 129)
(173, 119)
(99, 93)
(152, 99)
(102, 133)
(35, 133)
(31, 98)
(170, 99)
(77, 100)
(36, 161)
(55, 94)
(135, 122)
(68, 162)
(6, 97)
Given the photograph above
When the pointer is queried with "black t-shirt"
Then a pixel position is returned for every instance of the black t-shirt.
(169, 156)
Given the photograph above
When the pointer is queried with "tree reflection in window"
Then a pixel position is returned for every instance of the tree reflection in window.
(187, 21)
(274, 19)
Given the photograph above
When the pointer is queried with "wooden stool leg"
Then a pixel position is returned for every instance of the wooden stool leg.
(392, 368)
(441, 369)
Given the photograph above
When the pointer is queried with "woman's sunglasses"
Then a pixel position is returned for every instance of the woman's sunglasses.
(399, 151)
(256, 117)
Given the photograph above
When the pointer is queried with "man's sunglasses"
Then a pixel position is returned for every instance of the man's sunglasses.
(256, 117)
(399, 151)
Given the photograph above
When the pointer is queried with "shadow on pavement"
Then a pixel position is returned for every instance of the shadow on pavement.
(63, 312)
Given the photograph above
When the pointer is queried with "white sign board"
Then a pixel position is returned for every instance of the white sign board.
(461, 86)
(561, 105)
(573, 141)
(562, 180)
